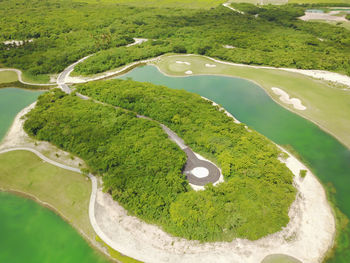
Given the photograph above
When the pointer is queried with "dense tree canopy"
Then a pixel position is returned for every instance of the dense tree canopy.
(141, 168)
(64, 31)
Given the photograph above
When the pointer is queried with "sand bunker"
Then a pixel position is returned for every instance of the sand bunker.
(183, 62)
(228, 46)
(322, 16)
(188, 72)
(284, 97)
(137, 41)
(17, 42)
(210, 65)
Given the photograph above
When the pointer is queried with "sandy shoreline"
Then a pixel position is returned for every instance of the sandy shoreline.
(307, 237)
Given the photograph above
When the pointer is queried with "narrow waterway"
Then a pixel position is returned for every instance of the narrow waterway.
(12, 101)
(249, 103)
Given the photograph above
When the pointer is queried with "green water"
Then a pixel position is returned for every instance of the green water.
(328, 158)
(13, 101)
(29, 232)
(33, 234)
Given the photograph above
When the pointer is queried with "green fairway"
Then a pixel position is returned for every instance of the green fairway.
(66, 191)
(8, 76)
(327, 105)
(163, 3)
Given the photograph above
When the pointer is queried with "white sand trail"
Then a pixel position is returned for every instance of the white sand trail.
(183, 62)
(210, 65)
(284, 97)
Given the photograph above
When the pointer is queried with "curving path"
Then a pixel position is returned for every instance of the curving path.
(193, 161)
(93, 179)
(19, 74)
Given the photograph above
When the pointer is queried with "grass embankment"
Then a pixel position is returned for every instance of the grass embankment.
(115, 254)
(66, 191)
(39, 79)
(327, 104)
(8, 76)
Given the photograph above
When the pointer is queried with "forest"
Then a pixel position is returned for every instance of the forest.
(65, 31)
(249, 204)
(142, 169)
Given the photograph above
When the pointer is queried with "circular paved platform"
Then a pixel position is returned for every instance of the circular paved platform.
(194, 164)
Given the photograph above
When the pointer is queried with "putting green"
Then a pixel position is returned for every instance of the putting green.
(8, 76)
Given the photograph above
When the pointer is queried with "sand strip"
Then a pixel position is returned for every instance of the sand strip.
(284, 97)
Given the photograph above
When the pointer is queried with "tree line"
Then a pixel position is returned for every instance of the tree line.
(65, 31)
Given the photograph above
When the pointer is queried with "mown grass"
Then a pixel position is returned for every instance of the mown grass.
(163, 3)
(67, 192)
(44, 78)
(20, 85)
(327, 104)
(8, 76)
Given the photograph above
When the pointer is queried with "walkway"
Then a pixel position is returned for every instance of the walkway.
(19, 75)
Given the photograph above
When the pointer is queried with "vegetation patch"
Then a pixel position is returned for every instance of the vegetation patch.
(115, 254)
(65, 31)
(141, 168)
(8, 76)
(18, 84)
(254, 176)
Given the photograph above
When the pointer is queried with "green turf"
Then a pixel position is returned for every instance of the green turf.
(67, 191)
(163, 3)
(8, 76)
(327, 105)
(44, 78)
